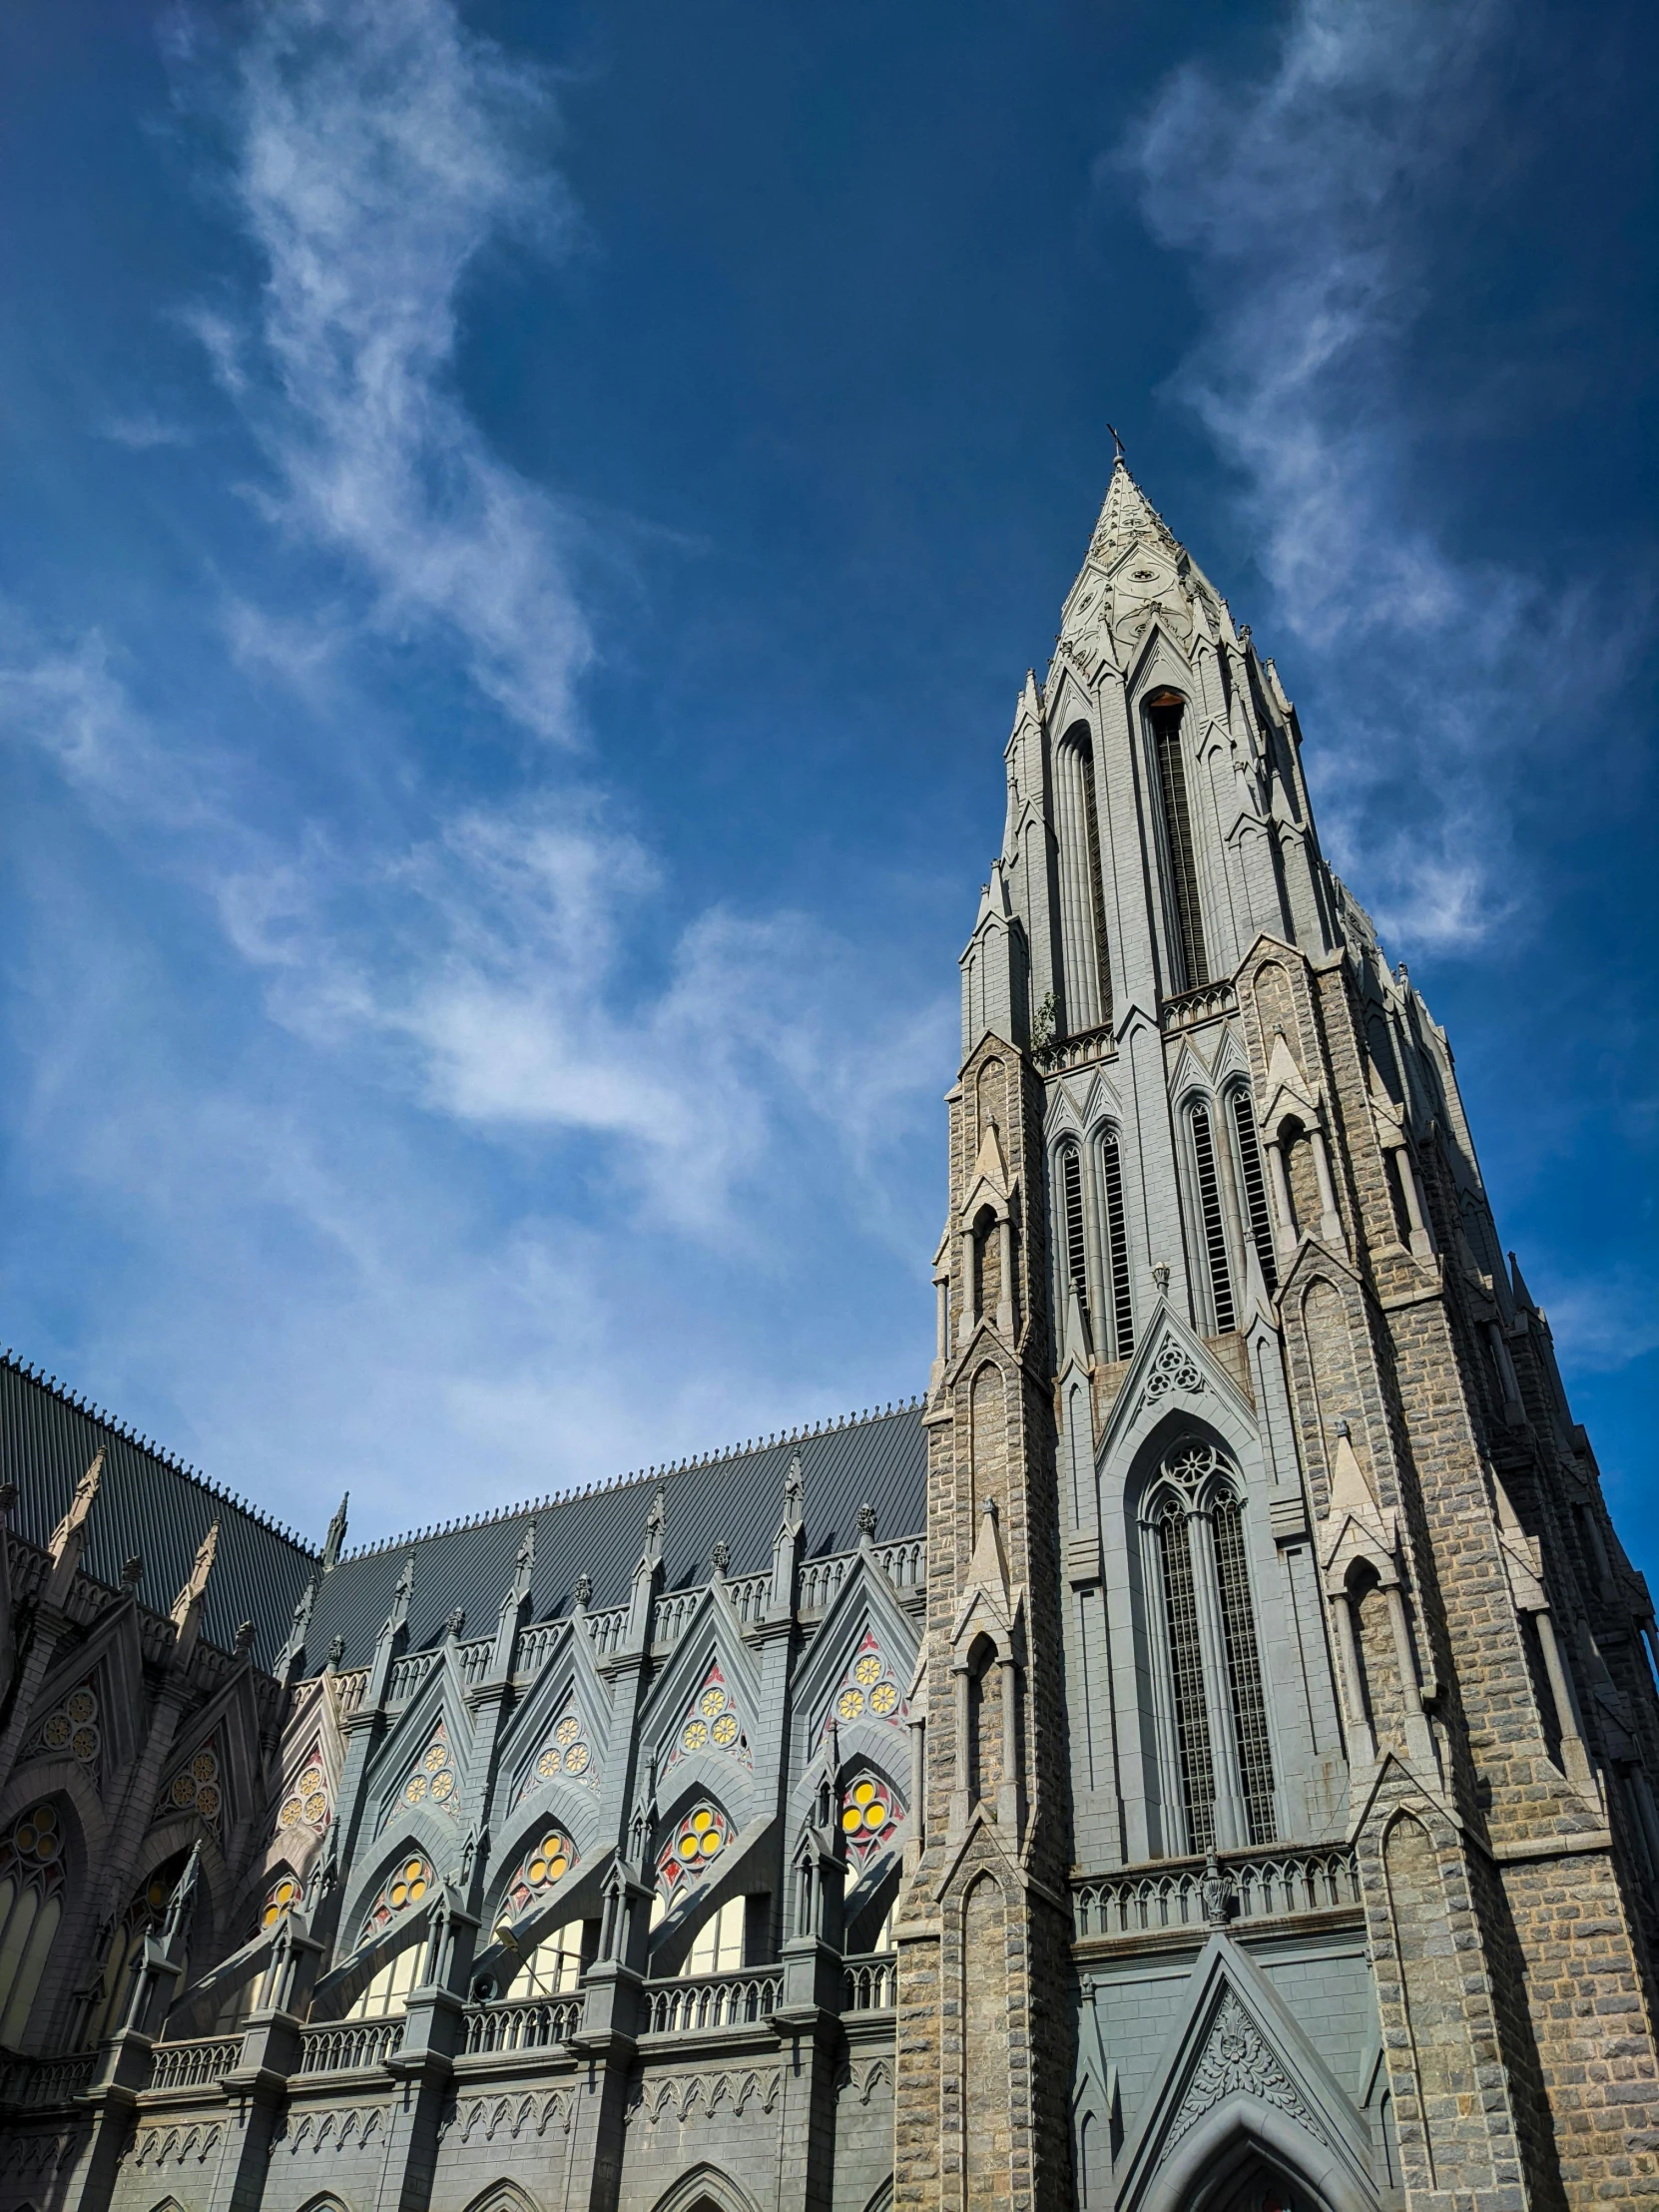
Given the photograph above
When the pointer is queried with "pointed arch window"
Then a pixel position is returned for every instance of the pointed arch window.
(1165, 711)
(1219, 1737)
(1071, 1220)
(1186, 1664)
(1210, 1217)
(144, 1915)
(1083, 887)
(1254, 1186)
(1117, 1246)
(1243, 1667)
(31, 1905)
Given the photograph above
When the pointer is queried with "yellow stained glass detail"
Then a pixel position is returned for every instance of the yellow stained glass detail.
(713, 1701)
(849, 1704)
(883, 1699)
(868, 1670)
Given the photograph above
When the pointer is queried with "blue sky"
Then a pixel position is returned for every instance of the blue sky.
(523, 528)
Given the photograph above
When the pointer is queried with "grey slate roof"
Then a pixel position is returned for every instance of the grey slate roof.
(737, 1498)
(149, 1506)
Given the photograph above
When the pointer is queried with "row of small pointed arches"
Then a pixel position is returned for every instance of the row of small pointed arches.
(647, 1474)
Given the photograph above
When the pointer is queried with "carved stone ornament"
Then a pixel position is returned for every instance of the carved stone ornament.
(1175, 1369)
(1237, 2062)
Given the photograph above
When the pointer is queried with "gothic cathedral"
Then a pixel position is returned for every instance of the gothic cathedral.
(1198, 1757)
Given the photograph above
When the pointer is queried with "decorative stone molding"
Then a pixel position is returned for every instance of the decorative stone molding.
(1237, 2062)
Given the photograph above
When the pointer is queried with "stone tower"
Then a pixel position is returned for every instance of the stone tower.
(1287, 1740)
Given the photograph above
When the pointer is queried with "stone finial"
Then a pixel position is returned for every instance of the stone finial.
(584, 1589)
(8, 1496)
(792, 1479)
(131, 1572)
(245, 1632)
(721, 1557)
(1160, 1276)
(336, 1534)
(336, 1651)
(80, 1505)
(189, 1593)
(455, 1621)
(866, 1521)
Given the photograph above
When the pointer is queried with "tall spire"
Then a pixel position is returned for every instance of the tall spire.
(1127, 517)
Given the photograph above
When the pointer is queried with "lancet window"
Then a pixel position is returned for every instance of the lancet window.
(1071, 1212)
(1083, 888)
(144, 1915)
(1254, 1186)
(31, 1905)
(1217, 1743)
(1211, 1222)
(1165, 711)
(1117, 1247)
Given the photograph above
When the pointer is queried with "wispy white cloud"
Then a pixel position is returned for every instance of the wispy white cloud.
(492, 1120)
(1310, 203)
(379, 148)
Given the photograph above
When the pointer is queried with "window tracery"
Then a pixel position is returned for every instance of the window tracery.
(547, 1861)
(144, 1915)
(696, 1842)
(31, 1905)
(434, 1777)
(72, 1727)
(281, 1897)
(871, 1816)
(868, 1687)
(308, 1801)
(713, 1723)
(1211, 1658)
(197, 1786)
(566, 1753)
(406, 1884)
